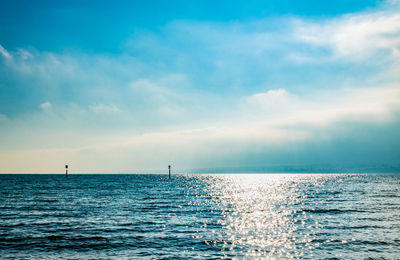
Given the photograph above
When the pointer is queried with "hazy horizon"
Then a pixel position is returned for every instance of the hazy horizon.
(277, 169)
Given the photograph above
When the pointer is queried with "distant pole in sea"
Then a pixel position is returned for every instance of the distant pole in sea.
(66, 170)
(169, 171)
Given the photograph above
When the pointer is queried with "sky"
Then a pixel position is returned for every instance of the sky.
(133, 86)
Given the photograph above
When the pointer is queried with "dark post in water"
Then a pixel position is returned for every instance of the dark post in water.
(169, 171)
(66, 170)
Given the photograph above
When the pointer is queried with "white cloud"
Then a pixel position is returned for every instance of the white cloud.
(154, 114)
(355, 36)
(46, 105)
(328, 108)
(24, 54)
(318, 113)
(271, 97)
(4, 52)
(274, 102)
(309, 119)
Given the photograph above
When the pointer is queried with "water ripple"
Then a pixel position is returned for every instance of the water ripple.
(304, 216)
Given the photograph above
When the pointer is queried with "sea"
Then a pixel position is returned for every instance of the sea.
(200, 216)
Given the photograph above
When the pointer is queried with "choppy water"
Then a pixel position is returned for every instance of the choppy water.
(200, 216)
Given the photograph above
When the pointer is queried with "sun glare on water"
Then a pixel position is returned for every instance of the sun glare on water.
(266, 215)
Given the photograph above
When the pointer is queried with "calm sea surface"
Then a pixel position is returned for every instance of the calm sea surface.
(305, 216)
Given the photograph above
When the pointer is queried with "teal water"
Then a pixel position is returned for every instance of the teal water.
(305, 216)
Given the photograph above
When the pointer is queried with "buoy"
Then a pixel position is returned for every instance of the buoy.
(66, 170)
(169, 171)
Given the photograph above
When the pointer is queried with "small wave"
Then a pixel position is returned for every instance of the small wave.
(375, 243)
(328, 211)
(47, 201)
(95, 238)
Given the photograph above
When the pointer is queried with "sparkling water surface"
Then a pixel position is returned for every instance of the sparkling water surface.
(243, 216)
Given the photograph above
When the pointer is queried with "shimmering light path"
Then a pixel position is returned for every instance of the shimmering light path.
(202, 216)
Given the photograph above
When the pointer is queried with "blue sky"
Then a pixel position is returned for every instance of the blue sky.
(133, 86)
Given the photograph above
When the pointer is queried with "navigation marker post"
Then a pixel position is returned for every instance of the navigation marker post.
(169, 171)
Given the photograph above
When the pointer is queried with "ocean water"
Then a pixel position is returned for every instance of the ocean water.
(253, 216)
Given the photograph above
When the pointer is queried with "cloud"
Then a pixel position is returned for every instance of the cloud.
(162, 89)
(202, 93)
(272, 99)
(24, 54)
(46, 105)
(314, 118)
(271, 96)
(5, 53)
(322, 113)
(355, 36)
(321, 119)
(393, 2)
(104, 108)
(327, 108)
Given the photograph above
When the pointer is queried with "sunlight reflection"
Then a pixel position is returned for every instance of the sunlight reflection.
(261, 215)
